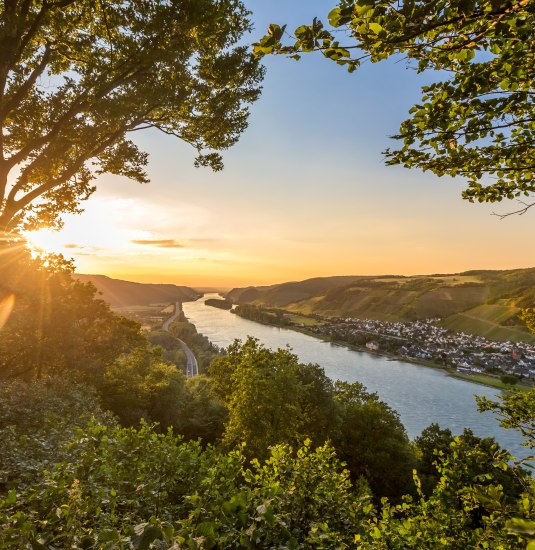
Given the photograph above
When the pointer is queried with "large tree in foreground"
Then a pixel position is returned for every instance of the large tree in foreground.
(478, 119)
(78, 76)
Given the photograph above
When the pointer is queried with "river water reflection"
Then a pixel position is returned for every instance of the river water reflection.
(420, 395)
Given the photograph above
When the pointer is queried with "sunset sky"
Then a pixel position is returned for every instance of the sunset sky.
(305, 193)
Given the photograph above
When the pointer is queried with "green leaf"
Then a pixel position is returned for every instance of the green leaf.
(375, 28)
(335, 16)
(146, 535)
(206, 529)
(11, 497)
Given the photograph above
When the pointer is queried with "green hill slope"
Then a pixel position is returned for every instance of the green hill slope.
(479, 302)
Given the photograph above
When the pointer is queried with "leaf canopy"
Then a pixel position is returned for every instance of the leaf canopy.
(77, 77)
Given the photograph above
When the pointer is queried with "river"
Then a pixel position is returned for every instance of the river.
(420, 395)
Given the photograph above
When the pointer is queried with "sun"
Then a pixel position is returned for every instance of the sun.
(45, 241)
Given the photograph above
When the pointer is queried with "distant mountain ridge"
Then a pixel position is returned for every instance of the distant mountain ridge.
(482, 302)
(120, 293)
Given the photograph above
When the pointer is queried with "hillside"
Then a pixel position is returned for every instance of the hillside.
(480, 302)
(288, 293)
(126, 293)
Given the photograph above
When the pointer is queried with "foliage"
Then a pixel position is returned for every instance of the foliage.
(77, 77)
(455, 516)
(205, 415)
(130, 488)
(479, 455)
(142, 385)
(528, 316)
(272, 399)
(262, 315)
(36, 420)
(172, 349)
(509, 379)
(163, 339)
(262, 398)
(516, 411)
(82, 483)
(56, 325)
(117, 487)
(476, 119)
(373, 442)
(221, 304)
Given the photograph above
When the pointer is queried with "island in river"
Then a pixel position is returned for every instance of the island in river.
(221, 304)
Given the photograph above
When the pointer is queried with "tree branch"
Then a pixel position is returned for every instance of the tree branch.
(30, 81)
(519, 212)
(14, 207)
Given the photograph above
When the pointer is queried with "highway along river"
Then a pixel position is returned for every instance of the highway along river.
(420, 395)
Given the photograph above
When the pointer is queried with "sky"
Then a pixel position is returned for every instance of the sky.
(305, 193)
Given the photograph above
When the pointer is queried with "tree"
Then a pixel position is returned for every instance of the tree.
(56, 324)
(204, 416)
(478, 456)
(263, 404)
(273, 399)
(373, 442)
(528, 316)
(478, 120)
(142, 385)
(515, 410)
(77, 77)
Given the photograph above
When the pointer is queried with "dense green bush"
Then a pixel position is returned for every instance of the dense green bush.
(37, 419)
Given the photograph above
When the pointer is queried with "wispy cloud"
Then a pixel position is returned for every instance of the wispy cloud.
(159, 243)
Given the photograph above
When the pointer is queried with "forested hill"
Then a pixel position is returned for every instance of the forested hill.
(126, 293)
(480, 302)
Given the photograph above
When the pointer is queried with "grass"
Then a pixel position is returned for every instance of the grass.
(489, 381)
(306, 321)
(458, 279)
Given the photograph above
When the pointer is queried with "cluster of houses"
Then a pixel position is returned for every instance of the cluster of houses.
(468, 353)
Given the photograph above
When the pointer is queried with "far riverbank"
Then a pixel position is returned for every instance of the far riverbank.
(480, 379)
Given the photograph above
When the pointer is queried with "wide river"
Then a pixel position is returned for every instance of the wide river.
(420, 395)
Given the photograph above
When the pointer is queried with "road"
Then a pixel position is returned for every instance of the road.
(192, 368)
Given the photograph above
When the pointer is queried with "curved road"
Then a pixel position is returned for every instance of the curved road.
(192, 368)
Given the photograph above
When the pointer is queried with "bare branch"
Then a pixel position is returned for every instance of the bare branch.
(525, 207)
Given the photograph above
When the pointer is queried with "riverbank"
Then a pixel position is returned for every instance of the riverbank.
(489, 381)
(479, 379)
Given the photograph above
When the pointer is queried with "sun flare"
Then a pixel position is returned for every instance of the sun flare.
(45, 241)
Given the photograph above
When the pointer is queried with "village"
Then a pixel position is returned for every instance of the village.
(426, 340)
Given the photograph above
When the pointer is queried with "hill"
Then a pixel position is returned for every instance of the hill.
(287, 293)
(126, 293)
(479, 302)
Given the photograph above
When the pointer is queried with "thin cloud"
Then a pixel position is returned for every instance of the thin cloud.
(159, 243)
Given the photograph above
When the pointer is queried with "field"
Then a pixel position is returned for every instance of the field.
(306, 321)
